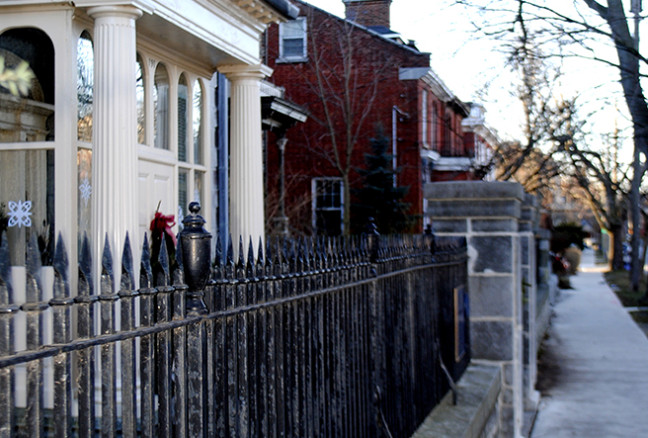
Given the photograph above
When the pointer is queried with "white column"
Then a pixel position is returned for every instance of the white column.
(114, 154)
(247, 215)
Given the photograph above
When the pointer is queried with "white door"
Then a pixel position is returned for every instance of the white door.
(156, 188)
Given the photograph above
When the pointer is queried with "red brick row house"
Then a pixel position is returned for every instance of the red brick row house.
(352, 75)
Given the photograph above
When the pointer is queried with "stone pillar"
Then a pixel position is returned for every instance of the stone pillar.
(246, 152)
(114, 153)
(527, 226)
(487, 215)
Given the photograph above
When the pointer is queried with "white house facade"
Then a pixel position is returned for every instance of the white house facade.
(122, 117)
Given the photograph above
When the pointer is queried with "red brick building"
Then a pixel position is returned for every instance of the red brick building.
(351, 75)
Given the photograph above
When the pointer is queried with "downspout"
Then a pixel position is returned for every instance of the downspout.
(223, 160)
(395, 113)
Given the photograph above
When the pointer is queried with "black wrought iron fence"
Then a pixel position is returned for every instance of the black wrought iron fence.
(303, 338)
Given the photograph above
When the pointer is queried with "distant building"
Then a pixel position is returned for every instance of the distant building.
(470, 159)
(350, 75)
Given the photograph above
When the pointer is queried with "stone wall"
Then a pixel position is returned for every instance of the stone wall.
(527, 226)
(499, 222)
(474, 415)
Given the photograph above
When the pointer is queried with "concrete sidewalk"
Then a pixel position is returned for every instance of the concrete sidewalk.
(598, 365)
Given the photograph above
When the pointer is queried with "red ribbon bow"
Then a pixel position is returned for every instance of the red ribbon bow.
(162, 224)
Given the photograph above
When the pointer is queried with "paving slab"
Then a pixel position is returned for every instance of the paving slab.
(595, 364)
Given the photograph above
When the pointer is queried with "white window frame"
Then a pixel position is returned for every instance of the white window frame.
(433, 127)
(314, 207)
(282, 31)
(424, 118)
(148, 152)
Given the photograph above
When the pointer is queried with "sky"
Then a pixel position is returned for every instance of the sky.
(466, 62)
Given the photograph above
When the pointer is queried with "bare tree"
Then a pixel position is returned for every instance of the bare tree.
(295, 210)
(579, 29)
(533, 161)
(605, 185)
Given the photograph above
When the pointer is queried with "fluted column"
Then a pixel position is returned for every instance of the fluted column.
(246, 153)
(114, 154)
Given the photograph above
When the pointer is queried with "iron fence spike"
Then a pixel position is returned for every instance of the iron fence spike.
(260, 261)
(107, 279)
(33, 265)
(250, 259)
(163, 276)
(61, 265)
(146, 273)
(86, 286)
(250, 252)
(127, 281)
(241, 259)
(268, 253)
(230, 252)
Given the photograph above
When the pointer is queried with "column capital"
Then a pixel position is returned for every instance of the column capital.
(121, 11)
(245, 71)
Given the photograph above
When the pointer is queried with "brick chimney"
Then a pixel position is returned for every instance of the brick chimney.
(368, 12)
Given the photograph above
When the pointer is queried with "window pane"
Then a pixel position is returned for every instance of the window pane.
(293, 28)
(27, 204)
(141, 107)
(198, 187)
(424, 117)
(29, 117)
(85, 83)
(197, 122)
(293, 47)
(328, 206)
(84, 193)
(183, 195)
(182, 118)
(161, 105)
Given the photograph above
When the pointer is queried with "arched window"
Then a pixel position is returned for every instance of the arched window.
(27, 192)
(140, 101)
(161, 107)
(197, 100)
(85, 83)
(85, 100)
(183, 115)
(30, 117)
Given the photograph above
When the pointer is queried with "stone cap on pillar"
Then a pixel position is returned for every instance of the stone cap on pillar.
(474, 199)
(473, 190)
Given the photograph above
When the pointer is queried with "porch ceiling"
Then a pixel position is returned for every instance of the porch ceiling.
(181, 41)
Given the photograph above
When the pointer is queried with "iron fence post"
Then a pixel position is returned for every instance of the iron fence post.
(195, 252)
